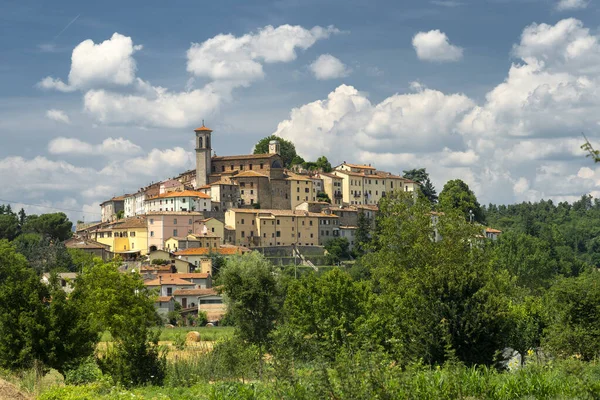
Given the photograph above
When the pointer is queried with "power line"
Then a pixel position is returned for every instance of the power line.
(52, 208)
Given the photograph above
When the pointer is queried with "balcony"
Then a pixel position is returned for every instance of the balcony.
(338, 195)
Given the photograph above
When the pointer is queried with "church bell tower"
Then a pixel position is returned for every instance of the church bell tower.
(203, 155)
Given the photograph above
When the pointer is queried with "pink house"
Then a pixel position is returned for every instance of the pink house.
(165, 224)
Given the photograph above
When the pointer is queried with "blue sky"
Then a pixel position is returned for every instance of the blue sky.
(492, 92)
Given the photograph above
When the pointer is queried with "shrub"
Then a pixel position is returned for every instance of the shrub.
(86, 372)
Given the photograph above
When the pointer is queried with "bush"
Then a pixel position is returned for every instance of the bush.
(86, 372)
(159, 261)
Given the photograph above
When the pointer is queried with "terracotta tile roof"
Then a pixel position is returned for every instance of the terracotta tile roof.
(185, 193)
(249, 174)
(204, 187)
(491, 230)
(155, 268)
(168, 280)
(200, 251)
(129, 223)
(190, 275)
(163, 299)
(190, 213)
(281, 213)
(296, 177)
(221, 182)
(244, 157)
(116, 198)
(195, 292)
(80, 243)
(203, 128)
(358, 166)
(204, 235)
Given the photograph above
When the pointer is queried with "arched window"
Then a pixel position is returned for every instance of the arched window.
(276, 164)
(199, 142)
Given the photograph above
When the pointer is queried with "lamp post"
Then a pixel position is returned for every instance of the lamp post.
(471, 215)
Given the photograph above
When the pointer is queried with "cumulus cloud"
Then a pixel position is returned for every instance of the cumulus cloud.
(522, 142)
(109, 147)
(327, 66)
(567, 5)
(108, 63)
(435, 46)
(58, 116)
(239, 59)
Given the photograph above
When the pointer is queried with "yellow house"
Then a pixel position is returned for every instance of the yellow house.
(211, 226)
(301, 189)
(127, 237)
(280, 227)
(192, 241)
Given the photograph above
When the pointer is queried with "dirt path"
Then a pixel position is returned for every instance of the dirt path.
(8, 391)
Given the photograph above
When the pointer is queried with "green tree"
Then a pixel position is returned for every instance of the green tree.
(9, 223)
(421, 176)
(56, 226)
(457, 195)
(337, 249)
(573, 317)
(363, 233)
(120, 303)
(323, 164)
(81, 259)
(43, 253)
(250, 288)
(438, 300)
(37, 323)
(322, 196)
(287, 149)
(325, 310)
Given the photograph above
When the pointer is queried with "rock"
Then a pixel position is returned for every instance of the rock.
(169, 326)
(210, 325)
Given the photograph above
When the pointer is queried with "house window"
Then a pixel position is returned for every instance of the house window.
(241, 167)
(169, 291)
(131, 234)
(298, 198)
(190, 221)
(101, 234)
(251, 191)
(151, 221)
(152, 233)
(310, 223)
(278, 233)
(231, 167)
(174, 221)
(243, 234)
(175, 232)
(212, 230)
(311, 235)
(242, 221)
(278, 222)
(222, 168)
(132, 245)
(250, 166)
(242, 191)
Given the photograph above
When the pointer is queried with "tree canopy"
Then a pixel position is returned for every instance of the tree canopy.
(421, 176)
(287, 149)
(456, 195)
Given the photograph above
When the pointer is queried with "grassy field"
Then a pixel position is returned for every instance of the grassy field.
(209, 334)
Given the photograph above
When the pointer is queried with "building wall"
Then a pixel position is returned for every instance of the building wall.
(334, 189)
(253, 190)
(178, 204)
(301, 190)
(328, 229)
(262, 165)
(163, 226)
(213, 226)
(350, 234)
(125, 239)
(280, 195)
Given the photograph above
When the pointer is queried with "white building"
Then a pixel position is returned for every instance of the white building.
(184, 201)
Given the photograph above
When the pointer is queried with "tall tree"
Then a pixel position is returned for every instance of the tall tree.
(56, 225)
(438, 300)
(287, 149)
(323, 164)
(421, 176)
(251, 289)
(456, 195)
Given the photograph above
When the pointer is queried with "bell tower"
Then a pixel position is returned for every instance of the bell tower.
(203, 154)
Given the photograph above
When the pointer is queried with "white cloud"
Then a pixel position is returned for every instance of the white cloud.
(417, 122)
(567, 5)
(327, 66)
(521, 143)
(239, 59)
(153, 106)
(58, 116)
(108, 63)
(109, 147)
(435, 46)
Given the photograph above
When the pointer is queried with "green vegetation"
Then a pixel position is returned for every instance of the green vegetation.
(426, 188)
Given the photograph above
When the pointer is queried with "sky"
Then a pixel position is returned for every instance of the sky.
(99, 99)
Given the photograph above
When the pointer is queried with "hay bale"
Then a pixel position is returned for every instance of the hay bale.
(192, 336)
(9, 391)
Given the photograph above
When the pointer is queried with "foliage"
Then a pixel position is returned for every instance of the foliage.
(56, 225)
(287, 149)
(44, 254)
(160, 261)
(337, 250)
(324, 310)
(421, 176)
(120, 303)
(456, 195)
(593, 153)
(9, 223)
(573, 317)
(86, 372)
(322, 196)
(363, 233)
(323, 164)
(437, 300)
(250, 288)
(37, 322)
(81, 259)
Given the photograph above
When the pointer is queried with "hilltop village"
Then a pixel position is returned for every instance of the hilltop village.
(232, 204)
